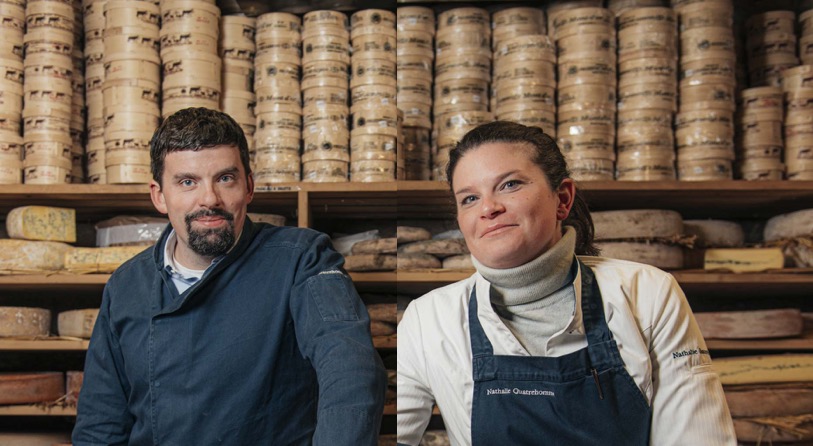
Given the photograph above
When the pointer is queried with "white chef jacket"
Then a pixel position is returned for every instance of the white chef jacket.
(650, 320)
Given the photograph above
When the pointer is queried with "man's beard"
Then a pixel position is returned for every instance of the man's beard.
(210, 242)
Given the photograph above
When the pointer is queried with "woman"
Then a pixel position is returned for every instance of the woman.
(539, 347)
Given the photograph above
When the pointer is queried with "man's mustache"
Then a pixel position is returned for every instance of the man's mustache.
(208, 213)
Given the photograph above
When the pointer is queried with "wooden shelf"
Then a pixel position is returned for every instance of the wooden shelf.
(385, 342)
(37, 410)
(702, 199)
(43, 345)
(778, 345)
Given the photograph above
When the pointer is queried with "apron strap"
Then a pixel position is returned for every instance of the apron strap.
(480, 345)
(595, 325)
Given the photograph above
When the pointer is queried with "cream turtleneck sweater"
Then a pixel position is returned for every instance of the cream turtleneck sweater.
(537, 299)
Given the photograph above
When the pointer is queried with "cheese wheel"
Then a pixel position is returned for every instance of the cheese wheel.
(383, 312)
(441, 248)
(274, 219)
(750, 324)
(715, 233)
(377, 246)
(407, 234)
(781, 429)
(743, 260)
(785, 226)
(655, 254)
(42, 223)
(24, 321)
(764, 369)
(31, 257)
(635, 224)
(27, 388)
(369, 262)
(462, 261)
(770, 400)
(77, 323)
(435, 438)
(418, 261)
(99, 260)
(379, 328)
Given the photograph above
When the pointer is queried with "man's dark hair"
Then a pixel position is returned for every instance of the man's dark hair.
(195, 129)
(546, 155)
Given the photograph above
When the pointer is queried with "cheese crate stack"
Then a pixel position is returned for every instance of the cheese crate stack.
(400, 153)
(374, 113)
(620, 6)
(586, 101)
(770, 46)
(759, 137)
(647, 90)
(525, 81)
(415, 27)
(705, 131)
(131, 89)
(12, 30)
(805, 27)
(325, 131)
(514, 22)
(47, 92)
(94, 21)
(797, 84)
(462, 64)
(557, 6)
(192, 68)
(277, 88)
(237, 51)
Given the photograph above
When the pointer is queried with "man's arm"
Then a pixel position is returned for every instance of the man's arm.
(103, 417)
(688, 404)
(333, 330)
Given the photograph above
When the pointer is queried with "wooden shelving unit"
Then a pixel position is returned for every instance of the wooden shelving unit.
(37, 410)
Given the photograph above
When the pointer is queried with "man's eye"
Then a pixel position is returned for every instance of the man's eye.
(187, 183)
(227, 178)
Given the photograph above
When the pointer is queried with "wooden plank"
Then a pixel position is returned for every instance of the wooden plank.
(43, 345)
(37, 410)
(385, 342)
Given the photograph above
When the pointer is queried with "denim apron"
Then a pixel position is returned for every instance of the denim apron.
(582, 398)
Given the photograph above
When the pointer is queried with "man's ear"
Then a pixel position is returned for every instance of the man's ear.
(157, 197)
(250, 186)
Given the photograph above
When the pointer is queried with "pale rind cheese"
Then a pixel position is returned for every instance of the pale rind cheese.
(787, 226)
(369, 262)
(756, 324)
(462, 261)
(274, 219)
(77, 323)
(99, 260)
(435, 438)
(383, 312)
(715, 233)
(375, 246)
(24, 322)
(655, 254)
(770, 400)
(73, 385)
(764, 369)
(42, 223)
(31, 257)
(440, 248)
(380, 328)
(409, 234)
(793, 429)
(743, 260)
(637, 224)
(418, 261)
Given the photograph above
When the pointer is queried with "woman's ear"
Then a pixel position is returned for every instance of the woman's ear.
(567, 195)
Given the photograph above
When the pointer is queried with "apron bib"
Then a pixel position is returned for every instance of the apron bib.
(582, 398)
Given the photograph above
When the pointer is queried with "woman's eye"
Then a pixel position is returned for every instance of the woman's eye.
(468, 200)
(511, 184)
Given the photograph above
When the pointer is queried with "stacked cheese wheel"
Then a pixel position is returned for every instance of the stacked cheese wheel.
(759, 121)
(806, 37)
(276, 84)
(325, 132)
(192, 67)
(418, 250)
(77, 124)
(383, 318)
(770, 46)
(47, 92)
(794, 233)
(525, 81)
(620, 6)
(645, 236)
(372, 255)
(131, 90)
(373, 94)
(647, 90)
(586, 100)
(237, 50)
(557, 6)
(462, 77)
(705, 134)
(94, 21)
(11, 91)
(415, 27)
(514, 22)
(797, 83)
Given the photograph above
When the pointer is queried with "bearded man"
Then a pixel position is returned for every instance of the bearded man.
(227, 331)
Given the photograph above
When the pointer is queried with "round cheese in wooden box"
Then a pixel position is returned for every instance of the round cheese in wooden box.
(128, 140)
(464, 16)
(798, 165)
(414, 90)
(771, 21)
(10, 170)
(706, 43)
(586, 71)
(474, 66)
(461, 36)
(46, 174)
(271, 73)
(585, 43)
(545, 120)
(181, 68)
(531, 47)
(798, 77)
(767, 151)
(372, 17)
(372, 72)
(456, 91)
(325, 18)
(368, 171)
(520, 16)
(238, 75)
(591, 169)
(265, 160)
(124, 95)
(648, 137)
(271, 100)
(128, 174)
(705, 170)
(325, 47)
(122, 121)
(646, 153)
(278, 21)
(585, 143)
(773, 43)
(647, 96)
(128, 13)
(379, 120)
(761, 169)
(238, 32)
(322, 96)
(528, 71)
(115, 157)
(586, 96)
(417, 18)
(760, 133)
(581, 20)
(187, 42)
(648, 171)
(414, 43)
(324, 171)
(512, 31)
(373, 95)
(192, 94)
(760, 98)
(722, 67)
(190, 15)
(589, 121)
(632, 119)
(47, 148)
(278, 124)
(416, 114)
(702, 15)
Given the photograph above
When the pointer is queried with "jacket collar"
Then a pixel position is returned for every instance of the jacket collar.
(246, 236)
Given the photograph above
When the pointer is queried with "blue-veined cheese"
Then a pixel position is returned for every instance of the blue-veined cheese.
(42, 223)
